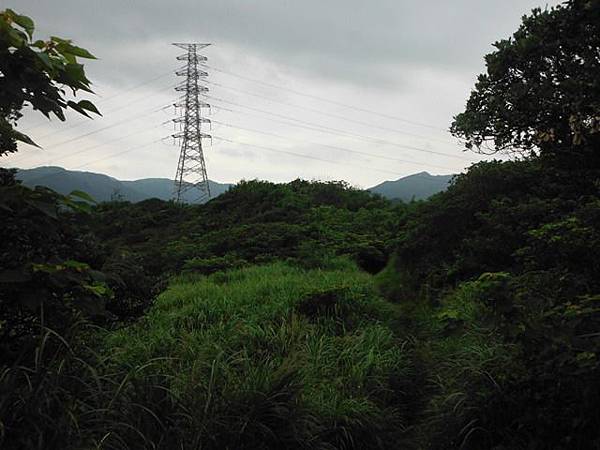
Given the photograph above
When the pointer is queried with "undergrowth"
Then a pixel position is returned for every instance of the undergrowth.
(274, 357)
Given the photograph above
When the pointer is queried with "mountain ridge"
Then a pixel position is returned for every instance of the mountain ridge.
(104, 187)
(418, 186)
(101, 187)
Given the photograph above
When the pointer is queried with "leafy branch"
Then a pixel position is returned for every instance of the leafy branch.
(37, 73)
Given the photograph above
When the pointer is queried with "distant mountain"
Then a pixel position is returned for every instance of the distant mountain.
(418, 186)
(104, 188)
(163, 188)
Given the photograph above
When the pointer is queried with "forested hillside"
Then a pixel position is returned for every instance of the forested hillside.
(312, 315)
(103, 188)
(418, 186)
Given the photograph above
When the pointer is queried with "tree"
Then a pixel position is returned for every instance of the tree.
(43, 281)
(36, 73)
(541, 92)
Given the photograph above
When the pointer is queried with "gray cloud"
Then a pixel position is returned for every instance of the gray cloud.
(397, 57)
(339, 38)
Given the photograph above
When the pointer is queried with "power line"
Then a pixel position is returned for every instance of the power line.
(337, 131)
(154, 111)
(112, 141)
(133, 88)
(78, 124)
(247, 129)
(333, 102)
(87, 149)
(301, 155)
(306, 125)
(120, 153)
(336, 116)
(118, 94)
(332, 146)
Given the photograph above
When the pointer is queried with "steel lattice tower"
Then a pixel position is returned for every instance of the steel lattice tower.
(191, 168)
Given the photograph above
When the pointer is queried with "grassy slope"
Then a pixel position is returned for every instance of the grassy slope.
(274, 355)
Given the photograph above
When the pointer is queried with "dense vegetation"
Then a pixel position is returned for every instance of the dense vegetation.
(255, 320)
(274, 357)
(36, 73)
(518, 252)
(300, 331)
(253, 222)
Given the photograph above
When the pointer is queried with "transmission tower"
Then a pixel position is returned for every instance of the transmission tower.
(191, 168)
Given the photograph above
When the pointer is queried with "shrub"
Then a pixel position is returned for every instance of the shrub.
(207, 266)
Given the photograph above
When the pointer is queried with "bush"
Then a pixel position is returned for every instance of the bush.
(207, 266)
(41, 284)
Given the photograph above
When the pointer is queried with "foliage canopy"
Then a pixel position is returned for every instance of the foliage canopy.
(36, 73)
(541, 91)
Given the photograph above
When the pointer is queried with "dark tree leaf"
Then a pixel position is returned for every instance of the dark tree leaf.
(82, 195)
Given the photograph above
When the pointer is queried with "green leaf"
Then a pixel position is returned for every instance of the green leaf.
(60, 40)
(45, 59)
(82, 207)
(26, 23)
(76, 72)
(76, 107)
(75, 77)
(97, 289)
(82, 195)
(59, 113)
(24, 138)
(46, 268)
(86, 104)
(16, 38)
(77, 265)
(81, 52)
(70, 58)
(8, 14)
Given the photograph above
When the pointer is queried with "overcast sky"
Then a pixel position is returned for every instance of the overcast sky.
(364, 90)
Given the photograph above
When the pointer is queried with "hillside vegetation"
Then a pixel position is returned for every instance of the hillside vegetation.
(419, 186)
(314, 315)
(273, 336)
(274, 357)
(103, 188)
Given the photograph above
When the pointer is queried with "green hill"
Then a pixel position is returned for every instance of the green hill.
(418, 186)
(104, 188)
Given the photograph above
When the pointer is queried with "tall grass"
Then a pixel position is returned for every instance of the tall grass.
(258, 358)
(463, 361)
(273, 357)
(67, 397)
(265, 357)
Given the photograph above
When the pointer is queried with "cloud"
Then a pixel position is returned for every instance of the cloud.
(342, 38)
(401, 58)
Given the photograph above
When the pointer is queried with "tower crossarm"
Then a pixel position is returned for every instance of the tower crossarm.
(182, 135)
(182, 120)
(182, 104)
